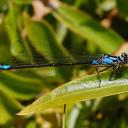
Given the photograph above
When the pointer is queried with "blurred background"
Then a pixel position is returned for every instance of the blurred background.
(36, 31)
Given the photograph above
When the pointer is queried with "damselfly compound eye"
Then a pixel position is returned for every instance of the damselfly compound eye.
(124, 55)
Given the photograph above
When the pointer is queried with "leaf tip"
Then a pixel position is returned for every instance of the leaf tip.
(24, 112)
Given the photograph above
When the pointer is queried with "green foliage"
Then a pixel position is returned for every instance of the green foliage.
(77, 90)
(69, 29)
(83, 25)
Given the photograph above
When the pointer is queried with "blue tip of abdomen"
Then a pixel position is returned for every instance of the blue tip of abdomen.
(5, 67)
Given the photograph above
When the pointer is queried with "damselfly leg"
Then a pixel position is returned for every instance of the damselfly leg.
(97, 72)
(114, 72)
(118, 72)
(98, 76)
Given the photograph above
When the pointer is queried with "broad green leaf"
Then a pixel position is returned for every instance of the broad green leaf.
(17, 47)
(88, 28)
(43, 39)
(82, 89)
(4, 45)
(20, 87)
(8, 107)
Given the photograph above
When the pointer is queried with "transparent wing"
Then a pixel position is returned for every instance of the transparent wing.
(40, 52)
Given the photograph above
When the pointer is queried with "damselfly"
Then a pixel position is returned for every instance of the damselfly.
(104, 60)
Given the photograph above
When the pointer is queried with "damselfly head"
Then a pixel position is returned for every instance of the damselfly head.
(124, 57)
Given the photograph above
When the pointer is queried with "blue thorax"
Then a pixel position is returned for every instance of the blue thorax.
(105, 60)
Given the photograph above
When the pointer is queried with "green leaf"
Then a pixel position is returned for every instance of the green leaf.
(4, 45)
(78, 90)
(17, 47)
(8, 107)
(88, 28)
(20, 87)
